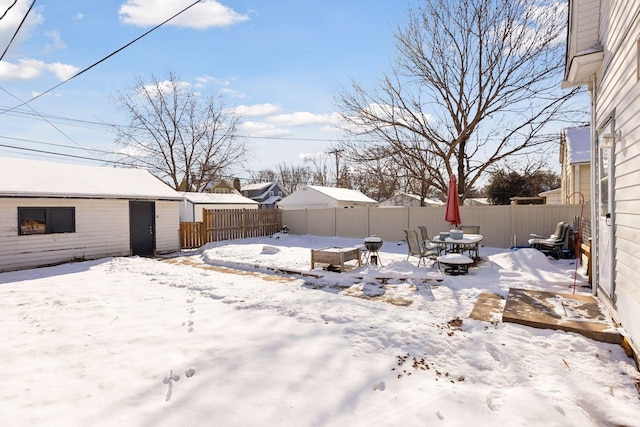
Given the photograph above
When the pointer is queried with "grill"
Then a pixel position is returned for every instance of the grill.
(373, 245)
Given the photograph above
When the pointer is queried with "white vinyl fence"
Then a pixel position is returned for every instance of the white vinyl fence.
(501, 226)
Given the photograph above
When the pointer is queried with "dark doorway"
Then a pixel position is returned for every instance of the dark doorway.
(142, 228)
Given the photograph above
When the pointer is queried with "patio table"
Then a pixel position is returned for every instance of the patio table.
(453, 245)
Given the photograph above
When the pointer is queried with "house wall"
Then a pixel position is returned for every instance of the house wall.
(587, 26)
(102, 229)
(308, 198)
(617, 95)
(584, 184)
(576, 177)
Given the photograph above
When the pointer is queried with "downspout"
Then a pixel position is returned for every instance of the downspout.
(595, 223)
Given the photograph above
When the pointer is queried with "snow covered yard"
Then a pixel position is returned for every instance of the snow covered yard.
(189, 341)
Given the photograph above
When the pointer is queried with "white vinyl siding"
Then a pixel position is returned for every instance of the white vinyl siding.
(587, 26)
(618, 95)
(102, 230)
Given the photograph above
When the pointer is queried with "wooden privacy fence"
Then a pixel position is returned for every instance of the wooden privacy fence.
(227, 224)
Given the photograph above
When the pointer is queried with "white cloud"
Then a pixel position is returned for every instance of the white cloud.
(203, 80)
(12, 20)
(204, 15)
(233, 93)
(262, 129)
(78, 16)
(257, 110)
(25, 69)
(304, 118)
(29, 69)
(55, 41)
(166, 86)
(62, 71)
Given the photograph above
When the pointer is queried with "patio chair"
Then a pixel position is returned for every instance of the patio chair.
(555, 243)
(472, 249)
(425, 242)
(413, 243)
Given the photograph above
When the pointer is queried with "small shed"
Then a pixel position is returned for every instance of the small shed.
(193, 204)
(317, 197)
(52, 213)
(552, 197)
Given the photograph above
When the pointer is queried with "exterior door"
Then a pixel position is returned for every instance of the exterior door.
(604, 210)
(142, 226)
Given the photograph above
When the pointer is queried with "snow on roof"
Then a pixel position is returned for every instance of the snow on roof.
(579, 144)
(271, 200)
(50, 179)
(218, 198)
(433, 202)
(256, 186)
(342, 194)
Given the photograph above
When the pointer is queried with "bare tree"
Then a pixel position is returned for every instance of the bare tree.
(319, 166)
(182, 137)
(290, 177)
(476, 81)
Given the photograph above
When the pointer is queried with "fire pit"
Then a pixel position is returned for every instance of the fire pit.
(373, 245)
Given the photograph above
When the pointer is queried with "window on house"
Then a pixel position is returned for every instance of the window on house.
(46, 220)
(270, 193)
(279, 193)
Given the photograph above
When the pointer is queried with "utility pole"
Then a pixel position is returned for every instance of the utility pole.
(336, 152)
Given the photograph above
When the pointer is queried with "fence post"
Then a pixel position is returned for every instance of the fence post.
(514, 224)
(243, 224)
(203, 228)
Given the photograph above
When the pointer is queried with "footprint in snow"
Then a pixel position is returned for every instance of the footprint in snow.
(379, 386)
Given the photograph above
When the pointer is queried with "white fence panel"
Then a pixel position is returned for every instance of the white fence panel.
(501, 226)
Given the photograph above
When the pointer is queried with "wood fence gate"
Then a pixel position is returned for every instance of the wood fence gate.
(227, 224)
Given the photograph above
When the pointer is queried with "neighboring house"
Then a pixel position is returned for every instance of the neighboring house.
(193, 204)
(222, 187)
(575, 159)
(268, 194)
(52, 213)
(552, 197)
(316, 197)
(477, 201)
(406, 199)
(603, 54)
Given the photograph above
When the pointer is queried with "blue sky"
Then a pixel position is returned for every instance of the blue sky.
(280, 61)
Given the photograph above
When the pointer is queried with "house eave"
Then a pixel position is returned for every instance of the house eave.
(582, 67)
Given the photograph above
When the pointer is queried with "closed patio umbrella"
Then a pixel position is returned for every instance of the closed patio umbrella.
(452, 212)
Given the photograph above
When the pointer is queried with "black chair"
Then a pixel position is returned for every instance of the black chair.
(555, 243)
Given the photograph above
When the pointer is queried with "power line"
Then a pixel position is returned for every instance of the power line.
(8, 9)
(42, 117)
(15, 33)
(105, 58)
(60, 154)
